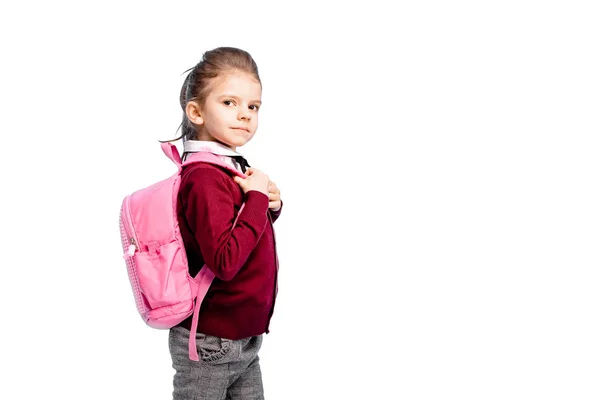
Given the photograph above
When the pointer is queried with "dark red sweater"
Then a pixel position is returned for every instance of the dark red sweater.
(241, 299)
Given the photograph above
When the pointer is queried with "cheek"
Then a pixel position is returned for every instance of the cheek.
(218, 121)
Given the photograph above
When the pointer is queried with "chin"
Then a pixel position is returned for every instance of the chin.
(240, 142)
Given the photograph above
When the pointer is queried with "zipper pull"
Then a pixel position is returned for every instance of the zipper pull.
(132, 247)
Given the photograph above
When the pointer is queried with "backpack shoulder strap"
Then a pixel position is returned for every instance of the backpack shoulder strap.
(172, 153)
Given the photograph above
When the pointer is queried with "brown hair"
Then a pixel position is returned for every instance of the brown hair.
(198, 84)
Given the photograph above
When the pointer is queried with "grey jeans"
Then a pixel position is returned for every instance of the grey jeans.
(228, 369)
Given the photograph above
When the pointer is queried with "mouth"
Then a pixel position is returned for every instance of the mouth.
(242, 129)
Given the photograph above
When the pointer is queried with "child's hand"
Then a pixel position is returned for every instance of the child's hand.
(256, 180)
(274, 196)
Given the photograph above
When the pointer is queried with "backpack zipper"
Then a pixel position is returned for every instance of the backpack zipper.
(133, 243)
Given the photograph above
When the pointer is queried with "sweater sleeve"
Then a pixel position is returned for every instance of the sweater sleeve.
(210, 213)
(276, 214)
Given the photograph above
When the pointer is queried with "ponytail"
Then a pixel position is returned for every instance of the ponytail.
(185, 95)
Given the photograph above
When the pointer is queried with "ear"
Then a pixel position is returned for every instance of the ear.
(192, 110)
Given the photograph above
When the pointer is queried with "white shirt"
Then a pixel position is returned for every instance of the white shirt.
(190, 146)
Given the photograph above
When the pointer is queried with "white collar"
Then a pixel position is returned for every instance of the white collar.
(191, 146)
(212, 147)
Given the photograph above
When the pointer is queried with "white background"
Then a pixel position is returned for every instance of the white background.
(438, 163)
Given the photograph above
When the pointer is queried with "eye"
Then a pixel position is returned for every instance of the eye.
(255, 107)
(227, 101)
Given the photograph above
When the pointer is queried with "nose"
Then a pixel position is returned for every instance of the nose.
(244, 114)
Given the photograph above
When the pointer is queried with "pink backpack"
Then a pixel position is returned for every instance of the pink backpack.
(165, 293)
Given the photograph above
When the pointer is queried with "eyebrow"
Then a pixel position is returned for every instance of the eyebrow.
(237, 98)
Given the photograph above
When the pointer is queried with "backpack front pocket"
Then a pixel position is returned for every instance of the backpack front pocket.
(162, 281)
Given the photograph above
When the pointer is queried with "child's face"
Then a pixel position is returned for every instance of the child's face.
(232, 103)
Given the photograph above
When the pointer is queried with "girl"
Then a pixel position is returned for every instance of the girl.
(220, 99)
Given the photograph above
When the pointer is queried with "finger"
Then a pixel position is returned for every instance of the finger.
(273, 204)
(273, 196)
